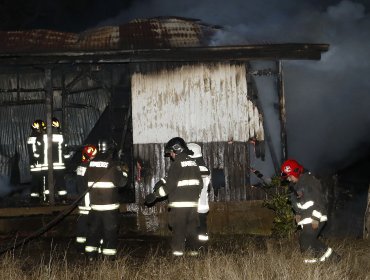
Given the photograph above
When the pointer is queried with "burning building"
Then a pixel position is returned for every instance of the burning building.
(143, 83)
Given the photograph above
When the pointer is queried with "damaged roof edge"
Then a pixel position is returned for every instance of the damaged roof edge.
(287, 51)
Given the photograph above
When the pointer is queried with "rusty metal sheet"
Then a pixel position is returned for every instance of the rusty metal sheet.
(36, 40)
(165, 33)
(141, 33)
(100, 38)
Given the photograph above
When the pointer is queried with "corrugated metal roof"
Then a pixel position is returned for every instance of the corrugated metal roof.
(36, 40)
(100, 38)
(166, 32)
(140, 33)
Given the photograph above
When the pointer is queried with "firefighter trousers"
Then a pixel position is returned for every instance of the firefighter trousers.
(203, 228)
(37, 181)
(82, 230)
(103, 226)
(184, 224)
(60, 185)
(309, 241)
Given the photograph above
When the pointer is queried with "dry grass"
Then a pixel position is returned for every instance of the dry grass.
(229, 259)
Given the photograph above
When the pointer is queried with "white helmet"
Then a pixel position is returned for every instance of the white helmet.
(196, 149)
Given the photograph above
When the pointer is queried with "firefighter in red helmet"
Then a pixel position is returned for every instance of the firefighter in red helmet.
(310, 208)
(104, 177)
(89, 152)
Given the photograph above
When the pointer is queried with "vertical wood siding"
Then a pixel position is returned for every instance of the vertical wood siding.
(232, 159)
(205, 102)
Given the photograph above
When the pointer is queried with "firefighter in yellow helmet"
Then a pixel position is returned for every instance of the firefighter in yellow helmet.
(35, 146)
(59, 155)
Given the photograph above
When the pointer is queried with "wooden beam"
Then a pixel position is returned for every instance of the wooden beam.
(220, 53)
(49, 112)
(281, 93)
(22, 102)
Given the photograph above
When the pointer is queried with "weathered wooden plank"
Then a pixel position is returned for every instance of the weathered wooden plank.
(200, 102)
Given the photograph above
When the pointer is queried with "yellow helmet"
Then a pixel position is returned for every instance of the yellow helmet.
(55, 123)
(38, 125)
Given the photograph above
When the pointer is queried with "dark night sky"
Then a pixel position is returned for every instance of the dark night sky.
(61, 15)
(327, 101)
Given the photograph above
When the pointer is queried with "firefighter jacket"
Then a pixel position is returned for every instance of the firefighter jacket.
(81, 181)
(203, 206)
(35, 146)
(58, 151)
(308, 200)
(204, 171)
(183, 182)
(103, 176)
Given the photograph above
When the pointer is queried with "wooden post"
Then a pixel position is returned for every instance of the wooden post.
(49, 111)
(274, 157)
(366, 232)
(64, 103)
(281, 92)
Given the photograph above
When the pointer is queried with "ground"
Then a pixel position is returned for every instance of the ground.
(138, 246)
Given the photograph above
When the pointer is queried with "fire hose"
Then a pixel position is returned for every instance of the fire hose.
(49, 225)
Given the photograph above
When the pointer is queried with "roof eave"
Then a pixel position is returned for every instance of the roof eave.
(288, 51)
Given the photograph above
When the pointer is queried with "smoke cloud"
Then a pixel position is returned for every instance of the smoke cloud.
(328, 101)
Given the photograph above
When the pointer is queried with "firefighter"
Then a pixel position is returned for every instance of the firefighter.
(58, 155)
(182, 186)
(203, 205)
(88, 153)
(103, 176)
(310, 210)
(36, 152)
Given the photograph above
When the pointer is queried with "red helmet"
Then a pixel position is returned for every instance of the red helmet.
(89, 152)
(291, 167)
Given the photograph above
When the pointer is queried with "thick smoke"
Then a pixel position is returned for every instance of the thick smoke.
(328, 100)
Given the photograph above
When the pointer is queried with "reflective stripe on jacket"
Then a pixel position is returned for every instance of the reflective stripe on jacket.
(311, 205)
(183, 182)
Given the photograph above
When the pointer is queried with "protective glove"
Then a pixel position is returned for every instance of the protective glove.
(150, 199)
(124, 167)
(315, 224)
(159, 184)
(257, 173)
